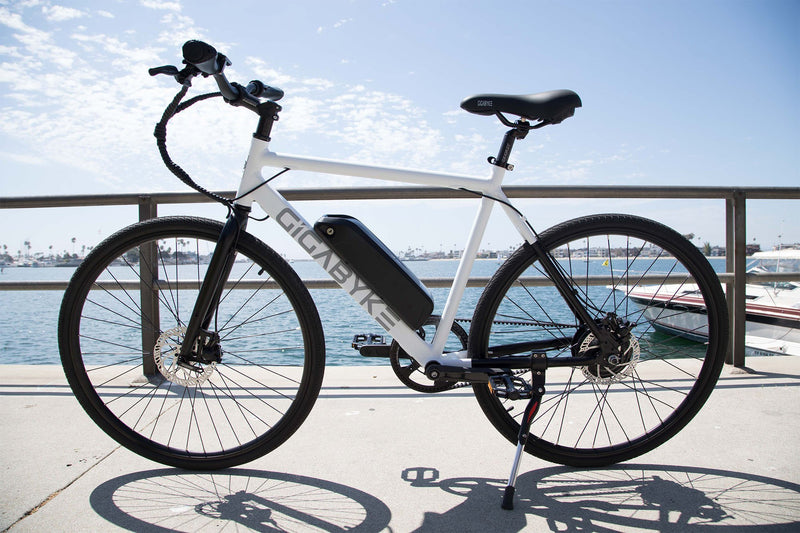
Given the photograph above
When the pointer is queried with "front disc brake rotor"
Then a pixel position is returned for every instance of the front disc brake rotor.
(165, 354)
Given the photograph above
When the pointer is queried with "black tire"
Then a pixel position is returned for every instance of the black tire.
(598, 415)
(216, 416)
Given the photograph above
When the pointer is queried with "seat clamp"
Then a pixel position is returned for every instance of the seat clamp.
(493, 161)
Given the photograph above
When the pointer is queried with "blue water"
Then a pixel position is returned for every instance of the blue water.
(28, 319)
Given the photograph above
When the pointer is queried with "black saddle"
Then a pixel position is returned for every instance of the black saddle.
(550, 107)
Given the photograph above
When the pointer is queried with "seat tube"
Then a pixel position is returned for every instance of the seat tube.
(465, 266)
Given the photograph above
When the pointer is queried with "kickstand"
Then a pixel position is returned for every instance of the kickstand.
(537, 391)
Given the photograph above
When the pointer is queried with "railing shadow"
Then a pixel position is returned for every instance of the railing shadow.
(623, 497)
(235, 499)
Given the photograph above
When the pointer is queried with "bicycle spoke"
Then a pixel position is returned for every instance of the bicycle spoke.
(615, 405)
(225, 411)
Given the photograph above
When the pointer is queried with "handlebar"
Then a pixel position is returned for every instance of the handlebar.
(203, 59)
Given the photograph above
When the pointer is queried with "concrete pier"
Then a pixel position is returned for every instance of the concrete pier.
(375, 456)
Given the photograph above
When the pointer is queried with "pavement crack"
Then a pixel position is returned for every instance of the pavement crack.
(52, 496)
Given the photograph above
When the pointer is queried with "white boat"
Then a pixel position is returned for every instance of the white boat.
(772, 308)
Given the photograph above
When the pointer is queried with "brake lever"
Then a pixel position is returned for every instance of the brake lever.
(184, 77)
(166, 69)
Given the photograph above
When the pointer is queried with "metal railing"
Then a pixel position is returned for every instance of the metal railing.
(735, 199)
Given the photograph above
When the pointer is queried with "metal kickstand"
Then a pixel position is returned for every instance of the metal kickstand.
(538, 366)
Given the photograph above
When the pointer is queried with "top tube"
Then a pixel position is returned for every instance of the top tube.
(489, 185)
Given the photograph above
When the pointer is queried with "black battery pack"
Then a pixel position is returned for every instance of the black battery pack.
(378, 267)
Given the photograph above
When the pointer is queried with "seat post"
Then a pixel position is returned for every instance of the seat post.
(519, 131)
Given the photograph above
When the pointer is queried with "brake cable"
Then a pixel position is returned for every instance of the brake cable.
(160, 134)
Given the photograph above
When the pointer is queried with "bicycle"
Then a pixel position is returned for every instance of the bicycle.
(194, 344)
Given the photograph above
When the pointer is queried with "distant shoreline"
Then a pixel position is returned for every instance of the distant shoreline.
(74, 264)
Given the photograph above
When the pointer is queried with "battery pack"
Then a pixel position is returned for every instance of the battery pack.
(378, 267)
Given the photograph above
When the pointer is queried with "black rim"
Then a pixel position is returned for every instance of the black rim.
(607, 411)
(246, 404)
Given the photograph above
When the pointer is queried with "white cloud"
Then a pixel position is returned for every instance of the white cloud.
(161, 4)
(178, 30)
(65, 107)
(384, 128)
(29, 3)
(121, 49)
(22, 158)
(10, 51)
(38, 43)
(338, 24)
(13, 20)
(60, 13)
(86, 97)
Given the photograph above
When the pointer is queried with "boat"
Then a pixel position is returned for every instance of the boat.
(772, 307)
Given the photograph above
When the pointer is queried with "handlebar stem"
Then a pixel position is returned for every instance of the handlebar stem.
(268, 114)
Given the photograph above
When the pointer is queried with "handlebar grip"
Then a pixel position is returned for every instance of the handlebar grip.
(204, 57)
(260, 90)
(166, 69)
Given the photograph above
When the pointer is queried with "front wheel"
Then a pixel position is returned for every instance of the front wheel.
(660, 297)
(121, 326)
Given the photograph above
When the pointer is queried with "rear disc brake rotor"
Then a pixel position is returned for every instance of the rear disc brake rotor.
(617, 367)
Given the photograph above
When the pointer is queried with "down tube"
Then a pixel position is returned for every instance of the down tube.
(303, 233)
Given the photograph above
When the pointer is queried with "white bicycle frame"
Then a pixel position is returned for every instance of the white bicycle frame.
(277, 207)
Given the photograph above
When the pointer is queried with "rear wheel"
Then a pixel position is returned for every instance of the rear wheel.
(658, 294)
(123, 367)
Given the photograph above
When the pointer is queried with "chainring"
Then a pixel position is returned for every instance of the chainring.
(409, 369)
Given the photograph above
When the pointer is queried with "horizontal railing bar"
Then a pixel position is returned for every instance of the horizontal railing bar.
(407, 193)
(735, 201)
(433, 283)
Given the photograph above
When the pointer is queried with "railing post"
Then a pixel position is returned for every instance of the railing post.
(739, 278)
(729, 266)
(148, 290)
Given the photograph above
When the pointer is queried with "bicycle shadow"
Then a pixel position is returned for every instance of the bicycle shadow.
(177, 500)
(622, 497)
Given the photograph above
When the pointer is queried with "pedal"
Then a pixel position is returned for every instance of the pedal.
(370, 345)
(511, 387)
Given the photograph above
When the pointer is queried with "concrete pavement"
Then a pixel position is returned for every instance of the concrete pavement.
(375, 456)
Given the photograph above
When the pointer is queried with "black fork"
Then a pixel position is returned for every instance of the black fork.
(198, 343)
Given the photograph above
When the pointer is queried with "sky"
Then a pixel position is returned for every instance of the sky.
(675, 93)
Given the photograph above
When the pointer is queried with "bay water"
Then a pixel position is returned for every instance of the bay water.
(29, 319)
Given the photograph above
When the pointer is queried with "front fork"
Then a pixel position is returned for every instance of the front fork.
(199, 344)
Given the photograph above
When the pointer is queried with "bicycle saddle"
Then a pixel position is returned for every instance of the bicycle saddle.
(550, 107)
